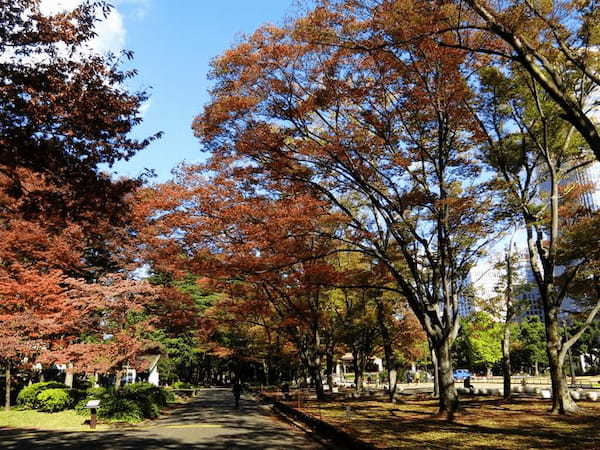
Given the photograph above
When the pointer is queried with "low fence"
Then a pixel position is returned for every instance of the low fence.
(341, 438)
(586, 383)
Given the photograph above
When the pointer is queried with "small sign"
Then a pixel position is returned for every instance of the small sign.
(93, 404)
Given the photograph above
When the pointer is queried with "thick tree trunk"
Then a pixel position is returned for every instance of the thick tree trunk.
(315, 365)
(506, 370)
(7, 391)
(388, 351)
(118, 376)
(69, 375)
(562, 403)
(358, 371)
(318, 383)
(330, 368)
(266, 372)
(436, 371)
(358, 379)
(448, 399)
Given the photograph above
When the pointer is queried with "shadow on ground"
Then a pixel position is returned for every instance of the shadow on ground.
(210, 422)
(482, 423)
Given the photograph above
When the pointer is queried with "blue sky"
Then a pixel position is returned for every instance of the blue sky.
(174, 42)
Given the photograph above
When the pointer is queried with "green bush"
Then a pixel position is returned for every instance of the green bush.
(81, 409)
(143, 399)
(120, 409)
(171, 397)
(141, 392)
(98, 393)
(77, 395)
(53, 400)
(182, 385)
(27, 398)
(95, 393)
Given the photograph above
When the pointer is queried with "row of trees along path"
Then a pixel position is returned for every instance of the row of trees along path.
(417, 132)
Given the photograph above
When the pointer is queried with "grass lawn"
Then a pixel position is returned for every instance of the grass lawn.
(482, 423)
(65, 420)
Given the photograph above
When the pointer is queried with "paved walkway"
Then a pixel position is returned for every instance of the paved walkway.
(209, 422)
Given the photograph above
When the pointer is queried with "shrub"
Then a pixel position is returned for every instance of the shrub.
(144, 401)
(120, 409)
(98, 393)
(77, 395)
(95, 393)
(81, 409)
(182, 385)
(53, 400)
(27, 398)
(171, 397)
(141, 392)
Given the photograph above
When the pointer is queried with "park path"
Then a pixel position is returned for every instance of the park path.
(209, 422)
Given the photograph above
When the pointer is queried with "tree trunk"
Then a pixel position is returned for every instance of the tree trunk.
(506, 370)
(69, 376)
(330, 368)
(266, 372)
(315, 365)
(118, 376)
(8, 380)
(358, 372)
(388, 351)
(448, 399)
(536, 369)
(562, 403)
(436, 370)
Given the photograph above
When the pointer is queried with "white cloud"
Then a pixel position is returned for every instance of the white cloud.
(144, 107)
(110, 30)
(111, 34)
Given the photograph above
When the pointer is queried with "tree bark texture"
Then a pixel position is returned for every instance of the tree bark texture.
(562, 403)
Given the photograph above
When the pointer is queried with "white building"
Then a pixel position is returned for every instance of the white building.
(345, 366)
(589, 175)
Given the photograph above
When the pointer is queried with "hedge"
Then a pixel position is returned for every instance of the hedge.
(27, 398)
(53, 400)
(132, 403)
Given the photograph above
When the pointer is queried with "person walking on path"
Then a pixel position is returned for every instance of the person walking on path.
(237, 392)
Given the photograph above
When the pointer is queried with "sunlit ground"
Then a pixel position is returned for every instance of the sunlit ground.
(482, 423)
(63, 421)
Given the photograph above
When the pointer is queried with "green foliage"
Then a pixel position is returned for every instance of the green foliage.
(182, 385)
(529, 347)
(121, 409)
(479, 343)
(132, 403)
(53, 400)
(27, 398)
(95, 393)
(148, 397)
(588, 345)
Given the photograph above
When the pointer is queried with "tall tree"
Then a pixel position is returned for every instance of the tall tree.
(536, 156)
(387, 129)
(555, 42)
(63, 111)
